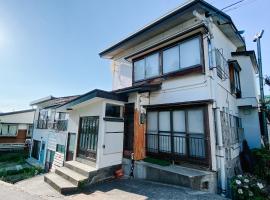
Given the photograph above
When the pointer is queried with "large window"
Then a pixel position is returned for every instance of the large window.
(179, 131)
(183, 55)
(8, 129)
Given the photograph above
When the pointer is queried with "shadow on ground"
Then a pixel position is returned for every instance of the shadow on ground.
(139, 189)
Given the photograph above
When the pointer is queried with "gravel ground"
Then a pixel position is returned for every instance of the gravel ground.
(123, 189)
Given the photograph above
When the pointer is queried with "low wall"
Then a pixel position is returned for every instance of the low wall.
(175, 175)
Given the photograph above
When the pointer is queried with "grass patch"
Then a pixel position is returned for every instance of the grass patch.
(11, 174)
(157, 161)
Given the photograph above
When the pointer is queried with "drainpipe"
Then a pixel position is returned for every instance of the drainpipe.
(221, 151)
(214, 86)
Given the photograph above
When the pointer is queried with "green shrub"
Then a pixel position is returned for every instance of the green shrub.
(262, 164)
(13, 176)
(248, 187)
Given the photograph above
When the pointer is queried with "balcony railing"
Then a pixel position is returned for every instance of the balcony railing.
(61, 125)
(179, 147)
(58, 125)
(222, 65)
(42, 124)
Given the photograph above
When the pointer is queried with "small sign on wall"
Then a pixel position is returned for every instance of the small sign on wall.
(142, 118)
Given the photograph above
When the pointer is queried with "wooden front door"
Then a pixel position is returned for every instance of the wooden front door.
(88, 137)
(70, 146)
(128, 129)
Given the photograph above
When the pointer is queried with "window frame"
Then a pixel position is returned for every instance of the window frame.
(181, 71)
(9, 124)
(120, 112)
(233, 72)
(206, 160)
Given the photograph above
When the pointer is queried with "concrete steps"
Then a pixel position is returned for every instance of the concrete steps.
(80, 168)
(60, 184)
(70, 177)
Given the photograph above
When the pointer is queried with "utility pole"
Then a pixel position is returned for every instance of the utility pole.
(257, 39)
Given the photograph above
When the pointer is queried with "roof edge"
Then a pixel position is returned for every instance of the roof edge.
(17, 112)
(158, 21)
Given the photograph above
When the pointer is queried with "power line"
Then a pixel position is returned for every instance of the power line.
(244, 4)
(232, 4)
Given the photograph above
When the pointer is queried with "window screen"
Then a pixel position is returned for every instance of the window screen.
(195, 121)
(139, 70)
(152, 65)
(171, 60)
(190, 53)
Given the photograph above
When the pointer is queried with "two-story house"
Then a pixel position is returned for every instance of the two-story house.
(183, 91)
(191, 89)
(50, 130)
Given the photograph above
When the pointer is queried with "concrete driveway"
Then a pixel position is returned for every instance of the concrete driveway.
(36, 189)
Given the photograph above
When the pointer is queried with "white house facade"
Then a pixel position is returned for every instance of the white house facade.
(192, 85)
(180, 94)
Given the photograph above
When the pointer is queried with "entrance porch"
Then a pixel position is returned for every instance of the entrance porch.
(95, 142)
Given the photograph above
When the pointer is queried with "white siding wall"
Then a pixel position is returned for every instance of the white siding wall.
(113, 151)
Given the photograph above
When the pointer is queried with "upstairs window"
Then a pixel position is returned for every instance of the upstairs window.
(147, 67)
(171, 59)
(183, 55)
(139, 70)
(190, 54)
(234, 69)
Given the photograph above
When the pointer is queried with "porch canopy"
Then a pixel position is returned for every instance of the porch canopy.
(91, 97)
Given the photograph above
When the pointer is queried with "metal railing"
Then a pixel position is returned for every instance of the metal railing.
(61, 125)
(42, 124)
(178, 146)
(221, 65)
(58, 125)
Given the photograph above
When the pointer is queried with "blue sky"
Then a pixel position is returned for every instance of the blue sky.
(50, 47)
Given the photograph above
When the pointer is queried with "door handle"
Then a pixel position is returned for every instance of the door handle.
(103, 146)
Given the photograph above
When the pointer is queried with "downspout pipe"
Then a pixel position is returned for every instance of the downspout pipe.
(214, 86)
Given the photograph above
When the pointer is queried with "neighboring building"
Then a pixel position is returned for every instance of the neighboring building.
(15, 128)
(50, 130)
(180, 93)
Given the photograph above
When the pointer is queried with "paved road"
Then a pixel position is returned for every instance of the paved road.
(36, 189)
(10, 192)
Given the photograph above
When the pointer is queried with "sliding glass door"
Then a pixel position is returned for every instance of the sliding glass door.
(178, 133)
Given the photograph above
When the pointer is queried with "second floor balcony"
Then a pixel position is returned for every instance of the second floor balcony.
(57, 125)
